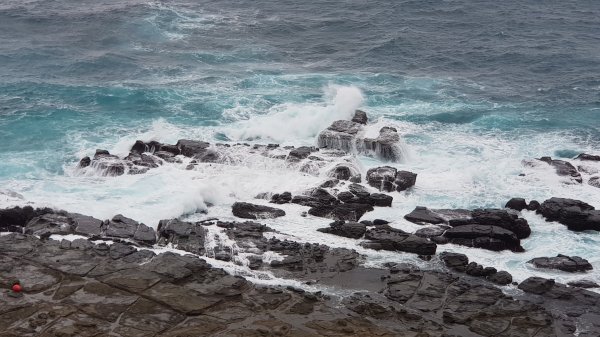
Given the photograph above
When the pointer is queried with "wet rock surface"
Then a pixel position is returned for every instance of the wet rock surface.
(564, 168)
(89, 288)
(562, 262)
(387, 178)
(251, 211)
(575, 214)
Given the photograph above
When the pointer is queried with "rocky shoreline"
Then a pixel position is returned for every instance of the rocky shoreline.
(83, 276)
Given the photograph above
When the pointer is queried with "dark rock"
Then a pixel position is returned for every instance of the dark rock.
(564, 168)
(422, 215)
(356, 178)
(430, 232)
(192, 148)
(584, 284)
(358, 189)
(85, 162)
(360, 117)
(405, 180)
(455, 261)
(518, 204)
(48, 224)
(86, 225)
(585, 156)
(329, 183)
(382, 178)
(282, 198)
(484, 236)
(341, 172)
(380, 199)
(347, 197)
(301, 153)
(562, 262)
(536, 285)
(315, 198)
(349, 229)
(380, 222)
(182, 235)
(349, 212)
(502, 278)
(340, 136)
(534, 205)
(251, 211)
(121, 227)
(388, 238)
(575, 214)
(594, 181)
(145, 234)
(503, 219)
(385, 146)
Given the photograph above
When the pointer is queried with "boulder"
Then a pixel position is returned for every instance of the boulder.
(484, 236)
(502, 218)
(455, 261)
(48, 224)
(537, 285)
(301, 153)
(385, 146)
(502, 278)
(86, 225)
(382, 178)
(584, 284)
(341, 172)
(430, 232)
(564, 168)
(421, 215)
(517, 204)
(380, 199)
(341, 135)
(575, 214)
(388, 238)
(192, 148)
(182, 235)
(405, 180)
(251, 211)
(121, 227)
(85, 162)
(569, 264)
(594, 181)
(282, 198)
(349, 229)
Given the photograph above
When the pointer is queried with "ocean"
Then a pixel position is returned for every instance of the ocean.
(473, 87)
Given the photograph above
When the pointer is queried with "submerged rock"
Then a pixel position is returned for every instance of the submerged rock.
(590, 157)
(251, 211)
(564, 168)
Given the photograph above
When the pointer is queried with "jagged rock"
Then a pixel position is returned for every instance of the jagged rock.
(585, 156)
(575, 214)
(251, 211)
(348, 211)
(192, 148)
(536, 285)
(145, 234)
(421, 215)
(518, 204)
(584, 284)
(48, 224)
(329, 183)
(385, 146)
(315, 198)
(85, 162)
(564, 168)
(183, 235)
(349, 229)
(534, 205)
(360, 117)
(341, 172)
(14, 219)
(340, 135)
(86, 225)
(382, 178)
(405, 180)
(562, 262)
(301, 153)
(380, 200)
(121, 227)
(484, 236)
(388, 238)
(430, 232)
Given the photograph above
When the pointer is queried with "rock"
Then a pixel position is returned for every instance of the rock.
(405, 180)
(575, 214)
(584, 284)
(388, 238)
(594, 181)
(518, 204)
(503, 219)
(455, 261)
(562, 262)
(251, 211)
(536, 285)
(564, 168)
(421, 215)
(361, 117)
(282, 198)
(534, 205)
(121, 227)
(192, 148)
(348, 212)
(301, 153)
(502, 278)
(14, 219)
(430, 232)
(145, 235)
(315, 198)
(484, 236)
(329, 183)
(86, 225)
(382, 178)
(340, 135)
(585, 156)
(380, 199)
(341, 172)
(349, 229)
(48, 224)
(182, 235)
(85, 162)
(356, 178)
(385, 146)
(380, 222)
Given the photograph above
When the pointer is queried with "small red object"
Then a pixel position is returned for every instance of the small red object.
(17, 288)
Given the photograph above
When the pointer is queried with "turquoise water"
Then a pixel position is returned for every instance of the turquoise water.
(474, 89)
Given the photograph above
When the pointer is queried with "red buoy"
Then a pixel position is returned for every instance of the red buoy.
(17, 288)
